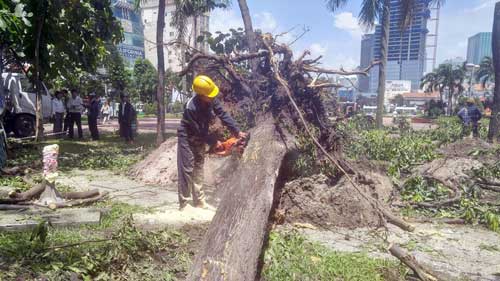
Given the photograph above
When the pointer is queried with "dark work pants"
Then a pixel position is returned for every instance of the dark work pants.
(94, 132)
(67, 121)
(190, 161)
(58, 122)
(467, 128)
(126, 131)
(75, 118)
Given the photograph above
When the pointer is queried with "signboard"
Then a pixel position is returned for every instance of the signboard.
(131, 52)
(396, 87)
(127, 25)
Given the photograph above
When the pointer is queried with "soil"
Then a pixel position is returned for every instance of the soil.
(465, 148)
(160, 168)
(458, 252)
(313, 200)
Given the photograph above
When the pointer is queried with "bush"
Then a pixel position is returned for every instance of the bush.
(150, 108)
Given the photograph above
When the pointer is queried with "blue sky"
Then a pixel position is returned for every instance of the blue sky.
(337, 35)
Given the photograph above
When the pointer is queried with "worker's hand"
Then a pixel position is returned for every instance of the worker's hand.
(218, 146)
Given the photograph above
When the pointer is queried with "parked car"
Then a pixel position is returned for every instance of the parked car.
(20, 101)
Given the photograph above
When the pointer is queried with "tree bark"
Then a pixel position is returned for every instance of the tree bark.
(38, 73)
(411, 262)
(160, 91)
(383, 62)
(494, 130)
(231, 249)
(247, 22)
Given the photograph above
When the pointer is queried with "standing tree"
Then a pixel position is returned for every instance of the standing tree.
(445, 77)
(379, 10)
(495, 115)
(118, 75)
(145, 80)
(250, 34)
(65, 37)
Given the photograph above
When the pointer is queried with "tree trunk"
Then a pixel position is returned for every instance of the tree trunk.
(160, 91)
(247, 21)
(494, 130)
(195, 31)
(38, 76)
(232, 246)
(450, 101)
(382, 66)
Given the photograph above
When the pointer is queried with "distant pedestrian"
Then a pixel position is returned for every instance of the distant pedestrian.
(106, 112)
(93, 114)
(125, 117)
(470, 116)
(58, 110)
(75, 108)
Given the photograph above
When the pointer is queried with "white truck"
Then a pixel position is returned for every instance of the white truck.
(19, 104)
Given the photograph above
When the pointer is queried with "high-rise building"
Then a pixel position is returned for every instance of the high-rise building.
(366, 59)
(406, 54)
(132, 46)
(173, 52)
(479, 46)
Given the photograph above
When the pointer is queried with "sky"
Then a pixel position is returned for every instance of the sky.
(337, 36)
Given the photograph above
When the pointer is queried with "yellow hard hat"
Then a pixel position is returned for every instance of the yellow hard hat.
(471, 101)
(204, 86)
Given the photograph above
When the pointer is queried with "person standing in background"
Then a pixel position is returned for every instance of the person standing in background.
(58, 110)
(125, 118)
(67, 117)
(93, 114)
(75, 108)
(105, 111)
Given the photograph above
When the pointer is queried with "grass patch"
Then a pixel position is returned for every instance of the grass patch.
(291, 257)
(114, 250)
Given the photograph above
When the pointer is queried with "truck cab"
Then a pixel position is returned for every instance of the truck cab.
(20, 104)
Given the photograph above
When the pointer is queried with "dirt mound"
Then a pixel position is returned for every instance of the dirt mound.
(160, 167)
(313, 200)
(449, 170)
(465, 147)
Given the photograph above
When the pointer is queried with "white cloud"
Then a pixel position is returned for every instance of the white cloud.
(481, 5)
(317, 49)
(266, 22)
(348, 22)
(223, 20)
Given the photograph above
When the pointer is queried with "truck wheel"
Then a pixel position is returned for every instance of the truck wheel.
(24, 126)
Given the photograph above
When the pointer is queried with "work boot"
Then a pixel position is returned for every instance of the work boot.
(202, 204)
(183, 205)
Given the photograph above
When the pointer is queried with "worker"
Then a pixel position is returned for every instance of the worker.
(470, 116)
(126, 115)
(193, 137)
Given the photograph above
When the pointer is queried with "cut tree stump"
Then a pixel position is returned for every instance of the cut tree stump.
(232, 246)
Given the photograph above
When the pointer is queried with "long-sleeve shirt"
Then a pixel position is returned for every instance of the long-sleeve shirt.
(470, 114)
(93, 109)
(58, 106)
(75, 105)
(197, 116)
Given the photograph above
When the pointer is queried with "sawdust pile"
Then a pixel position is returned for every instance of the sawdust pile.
(312, 200)
(160, 167)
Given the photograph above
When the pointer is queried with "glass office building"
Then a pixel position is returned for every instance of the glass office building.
(406, 56)
(479, 46)
(132, 46)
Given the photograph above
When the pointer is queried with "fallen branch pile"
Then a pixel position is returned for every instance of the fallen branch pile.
(280, 101)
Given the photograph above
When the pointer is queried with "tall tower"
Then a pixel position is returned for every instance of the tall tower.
(406, 54)
(479, 46)
(366, 58)
(173, 53)
(132, 46)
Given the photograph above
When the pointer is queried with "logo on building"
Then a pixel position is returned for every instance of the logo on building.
(131, 51)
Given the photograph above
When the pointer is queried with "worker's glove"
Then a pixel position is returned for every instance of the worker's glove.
(218, 147)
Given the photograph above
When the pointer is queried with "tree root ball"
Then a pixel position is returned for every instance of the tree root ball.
(312, 200)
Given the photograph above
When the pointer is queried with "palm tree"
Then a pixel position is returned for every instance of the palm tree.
(445, 77)
(371, 11)
(430, 83)
(486, 71)
(495, 114)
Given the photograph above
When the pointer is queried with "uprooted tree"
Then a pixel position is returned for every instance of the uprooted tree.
(280, 102)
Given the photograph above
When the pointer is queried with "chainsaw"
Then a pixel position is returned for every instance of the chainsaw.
(232, 146)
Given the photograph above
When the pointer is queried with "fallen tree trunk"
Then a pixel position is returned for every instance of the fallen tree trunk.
(232, 247)
(411, 262)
